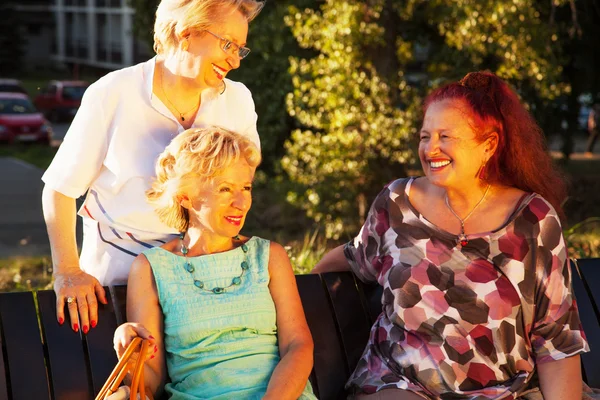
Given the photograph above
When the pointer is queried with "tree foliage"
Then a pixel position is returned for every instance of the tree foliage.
(265, 72)
(358, 99)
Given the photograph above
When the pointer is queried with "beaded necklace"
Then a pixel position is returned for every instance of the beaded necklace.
(217, 289)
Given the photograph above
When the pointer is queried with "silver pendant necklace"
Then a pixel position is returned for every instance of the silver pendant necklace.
(217, 289)
(462, 237)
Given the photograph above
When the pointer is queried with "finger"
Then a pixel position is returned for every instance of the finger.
(100, 292)
(122, 339)
(151, 353)
(83, 308)
(60, 309)
(93, 309)
(74, 315)
(141, 331)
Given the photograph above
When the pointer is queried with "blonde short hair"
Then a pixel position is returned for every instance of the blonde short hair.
(194, 155)
(173, 17)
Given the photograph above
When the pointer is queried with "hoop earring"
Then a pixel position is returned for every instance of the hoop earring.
(224, 87)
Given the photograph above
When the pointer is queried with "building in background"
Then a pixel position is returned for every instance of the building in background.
(81, 34)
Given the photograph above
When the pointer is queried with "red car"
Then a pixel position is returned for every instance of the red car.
(11, 85)
(20, 121)
(60, 100)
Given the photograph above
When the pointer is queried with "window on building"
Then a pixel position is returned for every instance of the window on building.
(101, 43)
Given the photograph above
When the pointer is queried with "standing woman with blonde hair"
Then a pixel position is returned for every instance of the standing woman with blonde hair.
(125, 121)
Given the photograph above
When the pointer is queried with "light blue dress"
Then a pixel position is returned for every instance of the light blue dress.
(218, 346)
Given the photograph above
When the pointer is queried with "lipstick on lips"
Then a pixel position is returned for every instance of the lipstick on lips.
(237, 221)
(219, 71)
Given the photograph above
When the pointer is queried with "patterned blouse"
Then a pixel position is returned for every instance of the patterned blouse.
(463, 322)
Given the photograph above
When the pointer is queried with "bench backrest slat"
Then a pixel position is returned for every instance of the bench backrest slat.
(586, 280)
(351, 317)
(330, 368)
(102, 356)
(3, 381)
(67, 362)
(24, 349)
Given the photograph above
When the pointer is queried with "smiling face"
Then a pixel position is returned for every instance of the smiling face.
(220, 207)
(449, 154)
(206, 60)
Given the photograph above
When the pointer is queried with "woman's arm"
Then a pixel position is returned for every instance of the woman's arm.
(334, 260)
(143, 308)
(295, 341)
(561, 379)
(69, 279)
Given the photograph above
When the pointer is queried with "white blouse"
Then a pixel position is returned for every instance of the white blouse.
(110, 151)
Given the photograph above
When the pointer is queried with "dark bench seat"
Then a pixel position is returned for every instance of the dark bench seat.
(41, 360)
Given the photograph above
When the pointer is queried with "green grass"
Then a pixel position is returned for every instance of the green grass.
(39, 155)
(25, 273)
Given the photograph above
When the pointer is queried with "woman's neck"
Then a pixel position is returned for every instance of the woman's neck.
(463, 200)
(176, 86)
(201, 241)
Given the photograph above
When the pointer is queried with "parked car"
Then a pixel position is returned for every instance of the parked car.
(11, 85)
(21, 121)
(60, 100)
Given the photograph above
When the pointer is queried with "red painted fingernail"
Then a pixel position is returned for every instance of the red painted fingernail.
(76, 327)
(152, 356)
(85, 329)
(151, 337)
(155, 349)
(61, 321)
(94, 324)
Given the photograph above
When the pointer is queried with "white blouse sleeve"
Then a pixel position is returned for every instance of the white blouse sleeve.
(250, 130)
(81, 154)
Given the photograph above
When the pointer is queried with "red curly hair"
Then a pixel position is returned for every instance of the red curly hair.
(521, 159)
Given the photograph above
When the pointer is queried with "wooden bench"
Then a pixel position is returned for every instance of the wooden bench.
(41, 360)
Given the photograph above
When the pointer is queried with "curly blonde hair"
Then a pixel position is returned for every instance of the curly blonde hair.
(197, 154)
(173, 17)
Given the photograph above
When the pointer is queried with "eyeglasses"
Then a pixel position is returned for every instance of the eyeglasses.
(227, 45)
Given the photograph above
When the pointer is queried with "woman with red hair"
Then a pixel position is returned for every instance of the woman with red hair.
(477, 287)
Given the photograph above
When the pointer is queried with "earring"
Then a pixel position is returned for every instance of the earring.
(184, 45)
(482, 173)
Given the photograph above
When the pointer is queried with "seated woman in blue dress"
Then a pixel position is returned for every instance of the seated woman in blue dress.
(222, 310)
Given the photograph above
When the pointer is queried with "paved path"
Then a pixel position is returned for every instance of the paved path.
(22, 231)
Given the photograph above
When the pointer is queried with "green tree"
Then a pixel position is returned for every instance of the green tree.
(359, 99)
(265, 72)
(143, 20)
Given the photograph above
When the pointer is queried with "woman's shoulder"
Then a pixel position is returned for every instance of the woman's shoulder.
(235, 90)
(536, 208)
(396, 186)
(120, 79)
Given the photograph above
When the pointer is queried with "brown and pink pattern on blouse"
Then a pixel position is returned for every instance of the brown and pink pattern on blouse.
(463, 322)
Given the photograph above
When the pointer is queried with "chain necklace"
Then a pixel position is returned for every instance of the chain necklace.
(181, 115)
(217, 289)
(462, 238)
